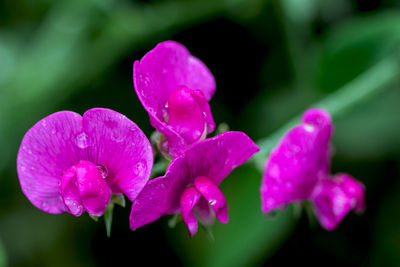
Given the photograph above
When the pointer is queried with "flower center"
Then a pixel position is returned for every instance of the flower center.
(83, 188)
(186, 113)
(191, 198)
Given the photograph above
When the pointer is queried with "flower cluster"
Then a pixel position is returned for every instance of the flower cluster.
(298, 169)
(76, 164)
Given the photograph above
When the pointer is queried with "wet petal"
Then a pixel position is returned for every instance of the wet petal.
(159, 73)
(119, 146)
(93, 190)
(165, 68)
(216, 199)
(47, 150)
(186, 116)
(70, 193)
(83, 188)
(334, 198)
(216, 157)
(297, 163)
(354, 189)
(189, 199)
(161, 195)
(174, 144)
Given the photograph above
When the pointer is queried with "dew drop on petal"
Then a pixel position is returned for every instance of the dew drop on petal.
(103, 171)
(212, 202)
(82, 140)
(139, 169)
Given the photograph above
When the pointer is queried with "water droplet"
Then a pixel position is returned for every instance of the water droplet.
(212, 202)
(140, 168)
(274, 171)
(103, 171)
(166, 105)
(44, 123)
(146, 80)
(82, 140)
(204, 114)
(309, 128)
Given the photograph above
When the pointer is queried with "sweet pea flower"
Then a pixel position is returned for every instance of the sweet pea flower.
(70, 163)
(174, 87)
(190, 184)
(298, 169)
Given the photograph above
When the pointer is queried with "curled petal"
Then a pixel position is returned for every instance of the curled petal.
(165, 68)
(93, 190)
(187, 111)
(214, 196)
(70, 193)
(297, 163)
(334, 198)
(354, 190)
(188, 201)
(203, 210)
(158, 74)
(120, 147)
(83, 188)
(47, 150)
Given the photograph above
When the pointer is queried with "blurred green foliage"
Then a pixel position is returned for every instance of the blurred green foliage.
(271, 59)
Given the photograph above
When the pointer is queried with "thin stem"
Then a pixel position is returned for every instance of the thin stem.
(339, 103)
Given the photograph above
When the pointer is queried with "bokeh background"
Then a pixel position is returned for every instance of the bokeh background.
(271, 60)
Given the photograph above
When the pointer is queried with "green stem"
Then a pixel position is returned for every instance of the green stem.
(339, 103)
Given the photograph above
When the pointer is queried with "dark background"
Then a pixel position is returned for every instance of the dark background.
(271, 60)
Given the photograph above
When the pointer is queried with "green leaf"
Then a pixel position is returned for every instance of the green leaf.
(3, 256)
(356, 45)
(108, 214)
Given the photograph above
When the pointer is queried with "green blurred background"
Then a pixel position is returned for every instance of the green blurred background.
(271, 59)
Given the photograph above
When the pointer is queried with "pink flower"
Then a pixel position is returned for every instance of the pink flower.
(70, 163)
(298, 169)
(175, 87)
(191, 182)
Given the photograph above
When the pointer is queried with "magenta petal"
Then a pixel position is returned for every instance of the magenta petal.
(159, 73)
(161, 195)
(119, 146)
(185, 115)
(214, 196)
(203, 210)
(165, 68)
(354, 190)
(216, 157)
(94, 191)
(202, 102)
(150, 204)
(334, 198)
(189, 199)
(48, 149)
(70, 193)
(296, 164)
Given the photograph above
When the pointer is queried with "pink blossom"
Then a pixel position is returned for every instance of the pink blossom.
(174, 87)
(70, 163)
(298, 169)
(190, 184)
